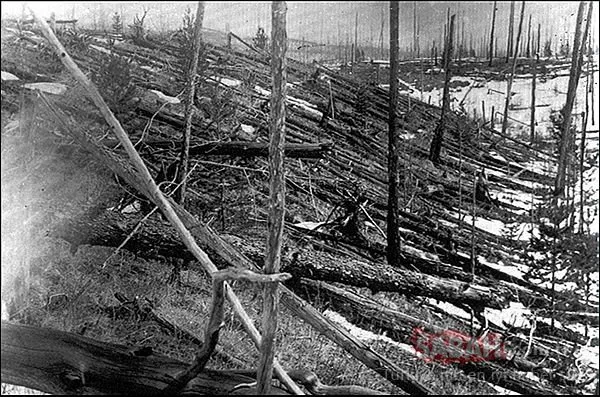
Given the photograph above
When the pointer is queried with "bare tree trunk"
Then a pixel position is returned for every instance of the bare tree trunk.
(414, 43)
(189, 105)
(528, 53)
(393, 238)
(566, 135)
(539, 35)
(534, 64)
(145, 183)
(512, 75)
(276, 193)
(436, 143)
(381, 36)
(511, 22)
(355, 45)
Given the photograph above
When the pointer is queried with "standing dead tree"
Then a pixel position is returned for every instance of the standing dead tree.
(276, 192)
(509, 40)
(566, 134)
(534, 65)
(147, 184)
(189, 105)
(436, 143)
(393, 238)
(491, 53)
(512, 75)
(528, 51)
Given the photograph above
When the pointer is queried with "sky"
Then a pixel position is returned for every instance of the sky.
(333, 21)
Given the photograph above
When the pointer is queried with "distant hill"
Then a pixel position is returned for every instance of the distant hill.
(327, 22)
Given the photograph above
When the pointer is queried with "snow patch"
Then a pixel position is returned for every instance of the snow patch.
(309, 225)
(6, 76)
(516, 270)
(364, 335)
(248, 128)
(165, 98)
(101, 49)
(262, 91)
(226, 82)
(50, 88)
(516, 314)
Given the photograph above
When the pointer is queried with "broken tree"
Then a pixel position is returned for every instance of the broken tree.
(189, 104)
(436, 142)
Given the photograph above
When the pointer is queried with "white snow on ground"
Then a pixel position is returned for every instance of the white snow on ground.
(364, 335)
(262, 91)
(536, 185)
(503, 391)
(516, 315)
(449, 308)
(101, 49)
(493, 226)
(225, 81)
(550, 95)
(516, 270)
(248, 128)
(165, 98)
(6, 76)
(50, 88)
(309, 225)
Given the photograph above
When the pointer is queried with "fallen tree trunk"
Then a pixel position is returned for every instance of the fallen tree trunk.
(59, 362)
(401, 327)
(156, 238)
(224, 253)
(382, 277)
(248, 149)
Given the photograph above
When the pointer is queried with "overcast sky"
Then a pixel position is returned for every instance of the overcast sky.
(333, 21)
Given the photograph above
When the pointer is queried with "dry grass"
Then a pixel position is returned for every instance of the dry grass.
(69, 291)
(46, 179)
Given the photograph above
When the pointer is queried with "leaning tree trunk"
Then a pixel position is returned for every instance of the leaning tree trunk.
(501, 370)
(189, 105)
(59, 362)
(142, 179)
(276, 193)
(509, 41)
(393, 238)
(436, 143)
(566, 136)
(491, 53)
(225, 254)
(512, 75)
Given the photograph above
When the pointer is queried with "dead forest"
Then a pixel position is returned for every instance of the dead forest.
(202, 213)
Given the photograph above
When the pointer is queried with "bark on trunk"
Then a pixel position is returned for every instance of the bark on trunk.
(393, 238)
(258, 149)
(566, 134)
(512, 75)
(58, 362)
(276, 193)
(189, 105)
(224, 253)
(404, 328)
(436, 143)
(386, 278)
